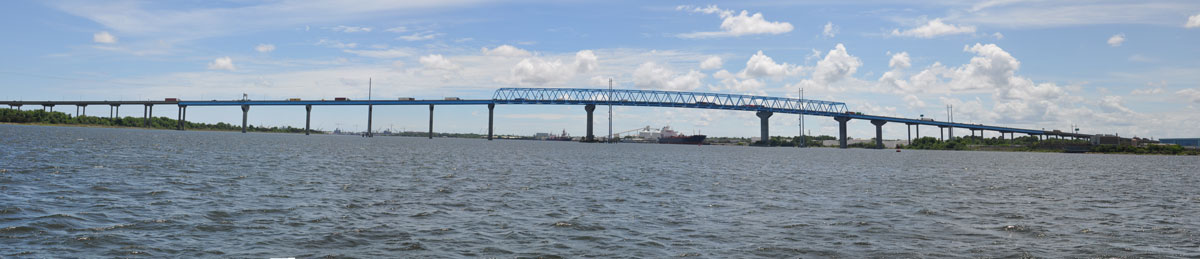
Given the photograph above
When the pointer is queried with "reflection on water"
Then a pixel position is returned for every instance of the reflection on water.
(122, 192)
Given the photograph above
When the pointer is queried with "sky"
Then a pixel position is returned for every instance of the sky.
(1116, 67)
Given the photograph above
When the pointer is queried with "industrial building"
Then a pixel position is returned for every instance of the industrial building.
(1185, 142)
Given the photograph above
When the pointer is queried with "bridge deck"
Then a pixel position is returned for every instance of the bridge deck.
(579, 96)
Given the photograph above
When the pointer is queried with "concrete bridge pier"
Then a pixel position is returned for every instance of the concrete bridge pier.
(841, 130)
(84, 109)
(307, 118)
(179, 119)
(942, 133)
(245, 113)
(765, 122)
(491, 109)
(76, 110)
(878, 133)
(110, 111)
(149, 113)
(909, 127)
(1001, 135)
(589, 108)
(430, 121)
(370, 116)
(19, 106)
(116, 113)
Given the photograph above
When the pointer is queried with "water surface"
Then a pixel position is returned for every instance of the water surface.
(89, 192)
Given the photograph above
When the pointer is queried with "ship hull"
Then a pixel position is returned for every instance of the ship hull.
(690, 140)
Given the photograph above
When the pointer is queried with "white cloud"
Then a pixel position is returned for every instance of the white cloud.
(730, 83)
(737, 24)
(336, 44)
(934, 28)
(538, 71)
(650, 75)
(1113, 104)
(437, 62)
(830, 30)
(419, 36)
(894, 78)
(505, 51)
(710, 63)
(386, 53)
(222, 63)
(998, 36)
(1116, 40)
(837, 65)
(1191, 94)
(1044, 14)
(761, 65)
(397, 29)
(913, 101)
(350, 29)
(1193, 21)
(104, 37)
(264, 48)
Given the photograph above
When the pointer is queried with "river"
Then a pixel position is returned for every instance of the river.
(99, 192)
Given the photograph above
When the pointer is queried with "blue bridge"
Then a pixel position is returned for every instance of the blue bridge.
(763, 106)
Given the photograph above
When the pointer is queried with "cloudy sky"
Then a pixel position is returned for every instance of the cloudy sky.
(1127, 67)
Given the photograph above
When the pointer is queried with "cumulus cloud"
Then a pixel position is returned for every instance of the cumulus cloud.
(830, 30)
(264, 48)
(1116, 40)
(837, 65)
(505, 51)
(1193, 21)
(934, 28)
(104, 37)
(222, 63)
(651, 75)
(350, 29)
(894, 78)
(1113, 104)
(760, 65)
(437, 62)
(730, 83)
(736, 24)
(539, 71)
(713, 62)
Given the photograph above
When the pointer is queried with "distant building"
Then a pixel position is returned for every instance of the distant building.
(1106, 139)
(1185, 142)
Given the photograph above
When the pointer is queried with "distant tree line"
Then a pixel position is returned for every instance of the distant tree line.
(60, 118)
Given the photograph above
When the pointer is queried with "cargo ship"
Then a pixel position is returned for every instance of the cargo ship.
(681, 139)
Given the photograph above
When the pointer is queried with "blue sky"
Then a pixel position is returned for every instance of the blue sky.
(1127, 67)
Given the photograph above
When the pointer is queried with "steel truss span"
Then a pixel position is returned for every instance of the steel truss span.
(655, 98)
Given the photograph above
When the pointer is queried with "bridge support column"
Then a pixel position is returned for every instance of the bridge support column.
(77, 111)
(589, 108)
(841, 130)
(370, 116)
(179, 119)
(81, 105)
(491, 109)
(878, 133)
(149, 114)
(307, 118)
(245, 113)
(430, 121)
(950, 133)
(117, 113)
(1001, 135)
(941, 133)
(909, 128)
(51, 108)
(110, 112)
(764, 120)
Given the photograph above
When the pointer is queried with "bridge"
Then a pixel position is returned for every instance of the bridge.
(763, 106)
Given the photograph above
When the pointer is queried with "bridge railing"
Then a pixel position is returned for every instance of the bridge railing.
(661, 98)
